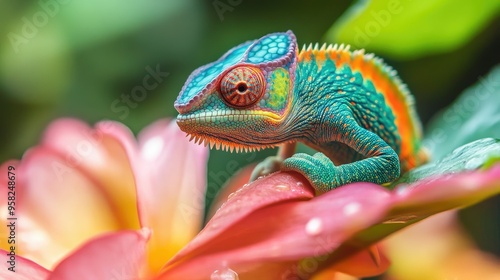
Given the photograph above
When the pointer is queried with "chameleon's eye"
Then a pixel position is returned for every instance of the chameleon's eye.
(242, 86)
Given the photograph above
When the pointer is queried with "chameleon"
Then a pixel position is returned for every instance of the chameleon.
(349, 106)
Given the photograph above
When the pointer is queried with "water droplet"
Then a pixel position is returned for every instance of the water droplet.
(282, 187)
(299, 184)
(146, 232)
(351, 208)
(224, 274)
(314, 226)
(474, 163)
(214, 225)
(402, 189)
(231, 195)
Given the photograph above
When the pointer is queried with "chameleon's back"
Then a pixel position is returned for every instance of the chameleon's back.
(387, 83)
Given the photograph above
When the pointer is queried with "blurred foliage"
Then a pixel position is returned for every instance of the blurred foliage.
(407, 29)
(471, 156)
(474, 115)
(89, 59)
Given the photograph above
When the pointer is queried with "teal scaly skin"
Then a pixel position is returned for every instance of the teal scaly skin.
(349, 106)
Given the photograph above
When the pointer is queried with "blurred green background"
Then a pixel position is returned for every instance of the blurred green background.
(84, 58)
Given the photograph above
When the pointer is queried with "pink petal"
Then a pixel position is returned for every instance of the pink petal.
(428, 197)
(275, 220)
(439, 194)
(247, 200)
(170, 174)
(119, 255)
(234, 184)
(54, 210)
(103, 167)
(260, 225)
(19, 268)
(99, 156)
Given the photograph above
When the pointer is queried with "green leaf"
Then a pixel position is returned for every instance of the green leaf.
(474, 115)
(409, 29)
(471, 156)
(495, 159)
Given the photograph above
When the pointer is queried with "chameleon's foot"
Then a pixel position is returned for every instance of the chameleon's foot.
(318, 169)
(266, 167)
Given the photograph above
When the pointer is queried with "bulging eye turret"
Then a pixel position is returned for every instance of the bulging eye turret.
(242, 86)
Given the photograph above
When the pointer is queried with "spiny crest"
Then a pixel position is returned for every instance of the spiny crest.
(367, 63)
(324, 47)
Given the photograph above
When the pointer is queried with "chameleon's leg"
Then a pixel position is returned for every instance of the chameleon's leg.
(381, 164)
(273, 163)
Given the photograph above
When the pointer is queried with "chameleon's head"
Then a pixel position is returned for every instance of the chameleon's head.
(241, 99)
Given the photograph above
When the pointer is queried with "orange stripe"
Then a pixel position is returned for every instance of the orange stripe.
(395, 95)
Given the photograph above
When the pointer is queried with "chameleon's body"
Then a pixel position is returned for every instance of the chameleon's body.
(349, 106)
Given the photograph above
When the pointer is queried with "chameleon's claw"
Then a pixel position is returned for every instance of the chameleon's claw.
(318, 169)
(266, 167)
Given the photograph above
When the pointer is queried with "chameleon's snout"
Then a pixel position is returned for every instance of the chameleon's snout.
(183, 108)
(179, 107)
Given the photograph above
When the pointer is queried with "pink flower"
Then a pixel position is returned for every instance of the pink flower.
(82, 182)
(273, 228)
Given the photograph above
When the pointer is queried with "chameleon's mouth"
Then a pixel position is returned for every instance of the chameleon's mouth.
(225, 129)
(228, 115)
